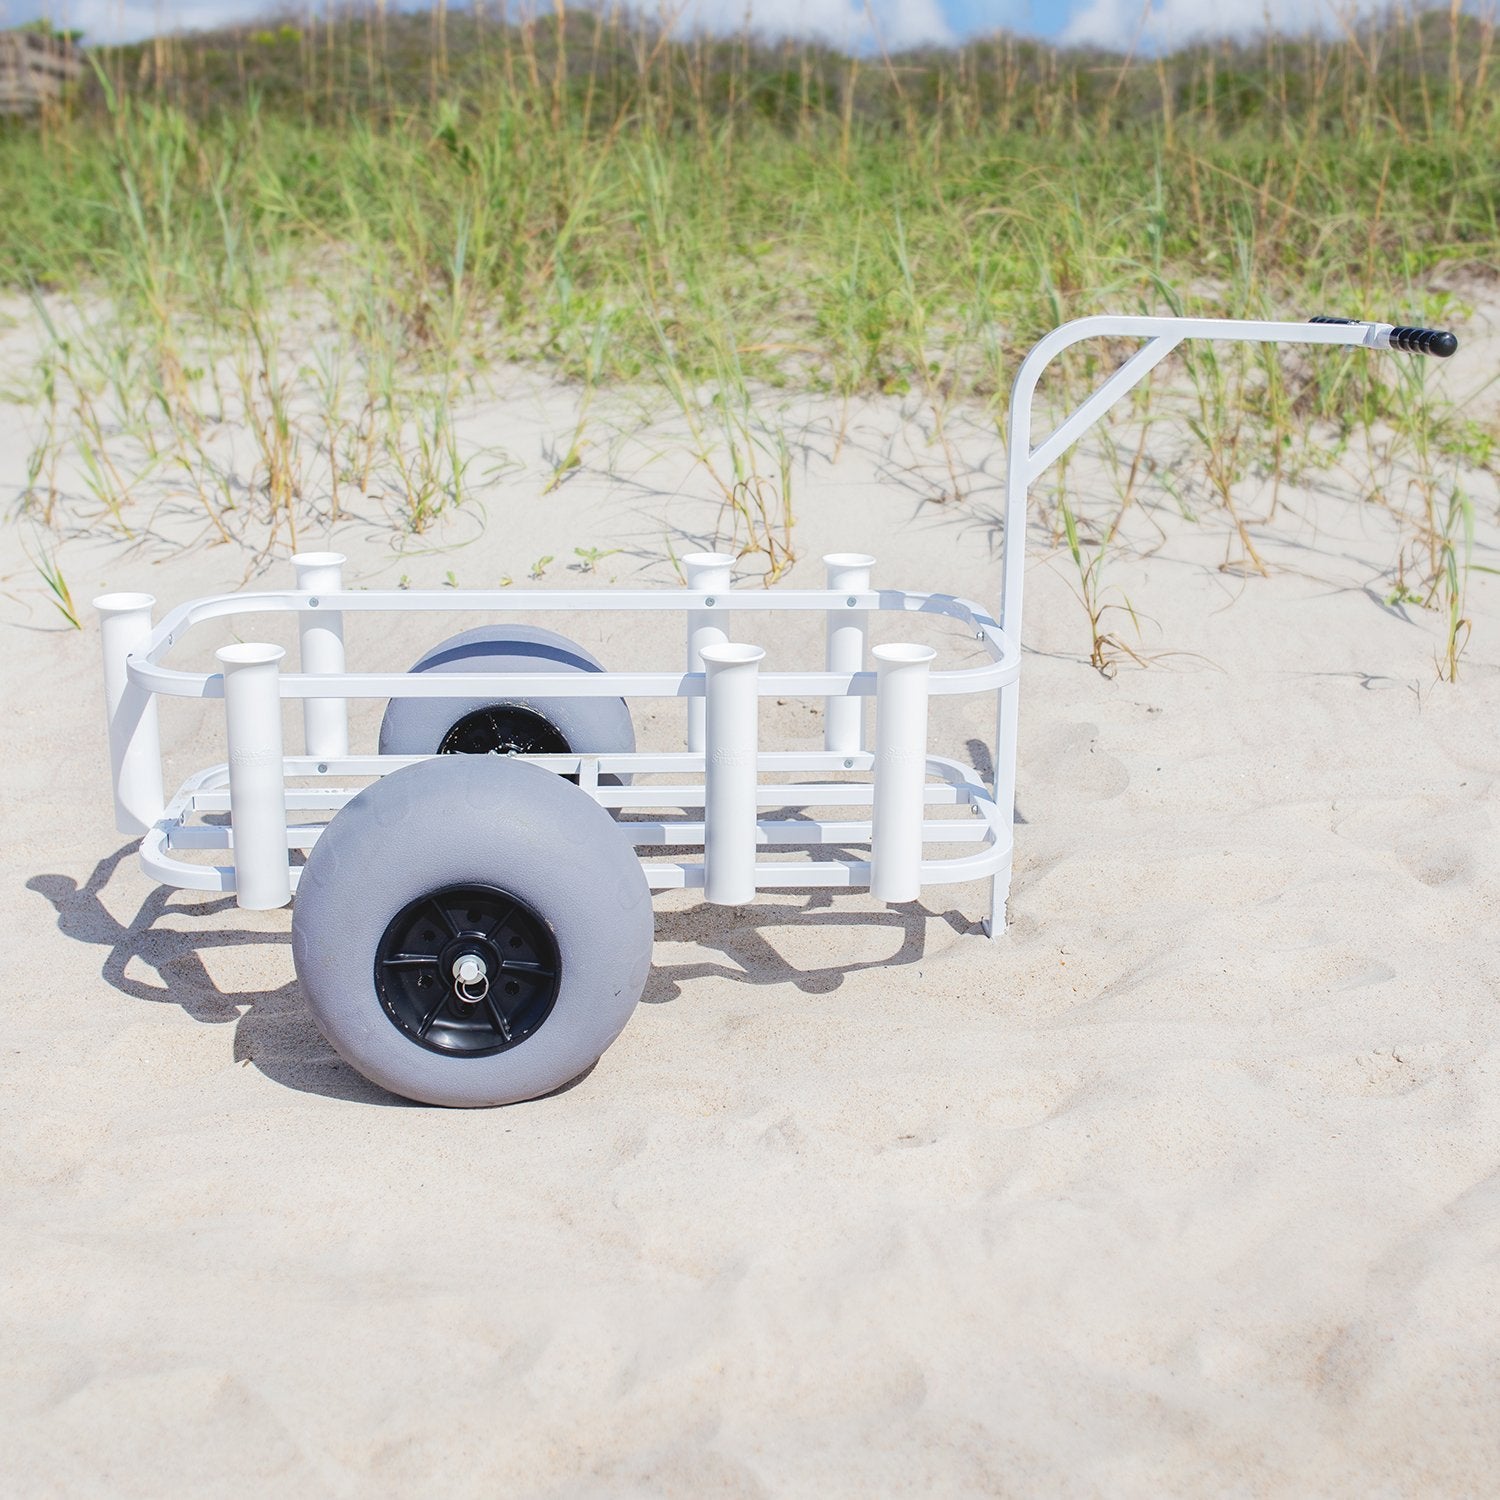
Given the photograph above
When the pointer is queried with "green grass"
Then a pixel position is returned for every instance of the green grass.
(721, 220)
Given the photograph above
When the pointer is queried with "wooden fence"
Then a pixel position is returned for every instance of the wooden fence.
(33, 69)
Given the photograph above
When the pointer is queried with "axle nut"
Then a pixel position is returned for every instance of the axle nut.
(469, 969)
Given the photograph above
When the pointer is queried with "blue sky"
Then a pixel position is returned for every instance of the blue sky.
(1117, 23)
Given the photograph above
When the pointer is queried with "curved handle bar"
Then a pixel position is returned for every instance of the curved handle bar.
(1024, 463)
(1434, 341)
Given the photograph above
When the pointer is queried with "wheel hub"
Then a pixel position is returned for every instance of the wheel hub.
(503, 729)
(468, 970)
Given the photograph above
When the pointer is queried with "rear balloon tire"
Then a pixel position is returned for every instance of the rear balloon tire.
(472, 931)
(516, 725)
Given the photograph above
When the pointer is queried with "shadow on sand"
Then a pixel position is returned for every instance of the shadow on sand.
(275, 1034)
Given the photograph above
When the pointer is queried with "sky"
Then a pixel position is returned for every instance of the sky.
(901, 23)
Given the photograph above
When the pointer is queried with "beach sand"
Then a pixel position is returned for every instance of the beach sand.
(1188, 1185)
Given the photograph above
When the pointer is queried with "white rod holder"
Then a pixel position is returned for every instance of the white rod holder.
(257, 784)
(325, 721)
(708, 573)
(134, 735)
(900, 770)
(731, 740)
(848, 631)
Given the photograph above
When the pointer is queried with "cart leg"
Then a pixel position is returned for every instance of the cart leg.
(321, 634)
(900, 771)
(848, 630)
(257, 780)
(999, 895)
(134, 739)
(1006, 708)
(731, 734)
(708, 573)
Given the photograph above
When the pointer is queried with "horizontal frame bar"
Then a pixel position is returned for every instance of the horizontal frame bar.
(957, 785)
(147, 671)
(781, 832)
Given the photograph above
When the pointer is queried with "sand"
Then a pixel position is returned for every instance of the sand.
(1190, 1185)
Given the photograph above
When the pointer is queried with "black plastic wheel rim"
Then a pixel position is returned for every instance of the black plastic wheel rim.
(503, 729)
(416, 961)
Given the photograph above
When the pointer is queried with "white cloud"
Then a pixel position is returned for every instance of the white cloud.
(1169, 23)
(847, 23)
(899, 23)
(103, 21)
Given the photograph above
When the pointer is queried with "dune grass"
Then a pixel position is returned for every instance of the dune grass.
(326, 233)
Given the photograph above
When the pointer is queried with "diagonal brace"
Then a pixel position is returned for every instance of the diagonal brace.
(1120, 384)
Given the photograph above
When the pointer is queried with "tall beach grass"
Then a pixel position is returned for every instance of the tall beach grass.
(325, 230)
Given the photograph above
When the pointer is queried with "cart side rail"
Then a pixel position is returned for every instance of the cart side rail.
(146, 668)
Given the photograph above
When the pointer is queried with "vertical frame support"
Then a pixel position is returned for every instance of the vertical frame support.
(257, 780)
(900, 770)
(708, 573)
(134, 735)
(731, 742)
(848, 632)
(1018, 475)
(325, 721)
(1024, 464)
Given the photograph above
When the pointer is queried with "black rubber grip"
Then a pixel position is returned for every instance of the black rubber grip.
(1432, 341)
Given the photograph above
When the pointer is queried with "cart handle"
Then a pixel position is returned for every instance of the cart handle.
(1024, 463)
(1437, 342)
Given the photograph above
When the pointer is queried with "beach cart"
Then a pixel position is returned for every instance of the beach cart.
(472, 921)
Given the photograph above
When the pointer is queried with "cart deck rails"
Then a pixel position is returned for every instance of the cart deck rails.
(473, 925)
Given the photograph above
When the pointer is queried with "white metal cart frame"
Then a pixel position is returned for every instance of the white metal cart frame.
(718, 789)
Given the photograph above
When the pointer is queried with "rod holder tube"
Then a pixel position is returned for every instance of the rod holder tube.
(848, 633)
(708, 573)
(257, 781)
(325, 721)
(900, 770)
(731, 740)
(131, 717)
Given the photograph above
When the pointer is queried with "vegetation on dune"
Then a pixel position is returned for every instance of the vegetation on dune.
(723, 218)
